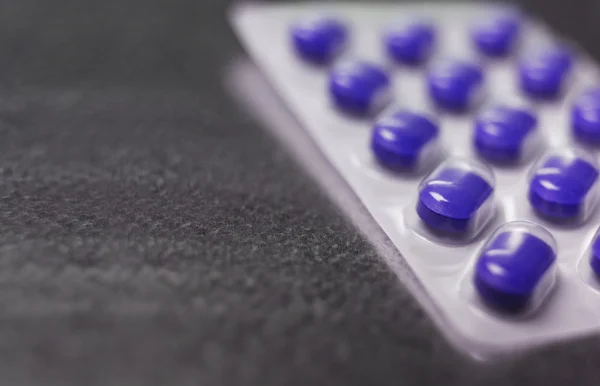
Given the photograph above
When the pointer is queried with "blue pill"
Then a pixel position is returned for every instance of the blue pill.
(511, 267)
(543, 75)
(359, 88)
(320, 40)
(585, 117)
(500, 133)
(595, 256)
(454, 85)
(398, 141)
(412, 44)
(451, 199)
(560, 186)
(496, 36)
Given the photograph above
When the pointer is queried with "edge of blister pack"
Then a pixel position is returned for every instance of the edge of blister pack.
(479, 334)
(264, 103)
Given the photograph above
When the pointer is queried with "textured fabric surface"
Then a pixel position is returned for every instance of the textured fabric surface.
(152, 233)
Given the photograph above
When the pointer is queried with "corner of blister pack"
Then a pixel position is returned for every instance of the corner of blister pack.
(240, 8)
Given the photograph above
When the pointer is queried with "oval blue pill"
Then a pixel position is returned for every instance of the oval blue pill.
(512, 266)
(543, 75)
(501, 132)
(595, 256)
(455, 85)
(585, 117)
(399, 141)
(456, 198)
(359, 88)
(319, 40)
(497, 35)
(563, 186)
(411, 44)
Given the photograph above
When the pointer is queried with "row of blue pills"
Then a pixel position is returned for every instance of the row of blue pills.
(452, 83)
(458, 197)
(321, 40)
(356, 87)
(501, 134)
(563, 187)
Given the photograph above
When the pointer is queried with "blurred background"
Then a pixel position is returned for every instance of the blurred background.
(152, 233)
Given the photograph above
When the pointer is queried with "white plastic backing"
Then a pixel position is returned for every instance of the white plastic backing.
(572, 308)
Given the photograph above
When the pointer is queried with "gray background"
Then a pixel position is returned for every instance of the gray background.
(152, 233)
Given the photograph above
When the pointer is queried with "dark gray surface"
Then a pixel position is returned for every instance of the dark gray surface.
(153, 234)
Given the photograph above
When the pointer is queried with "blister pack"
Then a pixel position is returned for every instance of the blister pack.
(470, 133)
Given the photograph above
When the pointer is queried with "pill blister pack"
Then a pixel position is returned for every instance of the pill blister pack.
(469, 132)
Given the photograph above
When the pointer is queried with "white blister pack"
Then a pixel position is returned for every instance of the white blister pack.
(501, 238)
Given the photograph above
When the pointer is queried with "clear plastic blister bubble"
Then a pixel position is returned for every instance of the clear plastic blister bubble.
(457, 199)
(440, 188)
(455, 85)
(404, 141)
(585, 117)
(397, 148)
(506, 135)
(545, 73)
(563, 186)
(513, 272)
(319, 40)
(359, 88)
(497, 35)
(409, 43)
(589, 264)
